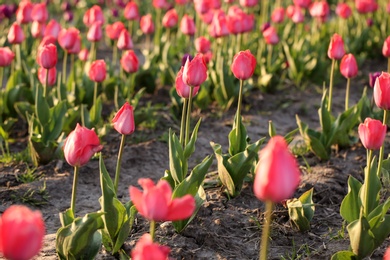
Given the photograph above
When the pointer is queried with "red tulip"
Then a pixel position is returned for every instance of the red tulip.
(388, 11)
(21, 233)
(195, 71)
(6, 56)
(47, 56)
(207, 17)
(67, 38)
(52, 76)
(382, 91)
(336, 47)
(15, 34)
(83, 55)
(277, 15)
(249, 3)
(202, 44)
(131, 11)
(343, 10)
(271, 36)
(181, 2)
(129, 62)
(218, 27)
(39, 13)
(372, 133)
(387, 254)
(319, 10)
(53, 28)
(113, 30)
(243, 65)
(80, 145)
(95, 32)
(277, 173)
(366, 6)
(156, 203)
(187, 25)
(182, 89)
(37, 29)
(97, 72)
(302, 3)
(386, 48)
(124, 40)
(76, 46)
(146, 24)
(146, 249)
(124, 120)
(348, 66)
(170, 19)
(202, 6)
(93, 15)
(238, 21)
(46, 41)
(23, 13)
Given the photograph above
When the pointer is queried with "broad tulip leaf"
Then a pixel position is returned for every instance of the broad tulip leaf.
(125, 229)
(23, 108)
(351, 204)
(237, 143)
(324, 115)
(190, 147)
(67, 217)
(380, 222)
(362, 240)
(223, 173)
(307, 203)
(96, 111)
(57, 114)
(41, 107)
(344, 255)
(297, 214)
(176, 158)
(369, 192)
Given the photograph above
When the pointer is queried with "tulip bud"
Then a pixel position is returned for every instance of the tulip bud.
(386, 48)
(124, 41)
(271, 36)
(53, 28)
(47, 56)
(67, 38)
(80, 145)
(249, 3)
(277, 15)
(302, 3)
(372, 133)
(372, 78)
(124, 120)
(170, 19)
(160, 4)
(336, 47)
(182, 89)
(348, 66)
(92, 15)
(6, 56)
(387, 253)
(382, 91)
(23, 13)
(76, 46)
(146, 24)
(83, 55)
(97, 72)
(15, 34)
(113, 30)
(146, 249)
(187, 25)
(129, 62)
(202, 44)
(95, 32)
(51, 80)
(131, 11)
(195, 71)
(343, 10)
(39, 13)
(243, 65)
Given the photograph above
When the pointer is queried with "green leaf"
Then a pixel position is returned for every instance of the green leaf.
(237, 144)
(297, 214)
(41, 107)
(380, 222)
(362, 240)
(23, 108)
(223, 173)
(190, 147)
(57, 118)
(369, 192)
(344, 255)
(271, 129)
(307, 203)
(351, 204)
(66, 217)
(96, 111)
(324, 115)
(176, 158)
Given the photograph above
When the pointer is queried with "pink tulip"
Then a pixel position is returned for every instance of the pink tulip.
(80, 145)
(23, 13)
(95, 32)
(39, 13)
(271, 36)
(124, 40)
(202, 6)
(372, 78)
(37, 29)
(146, 249)
(156, 203)
(243, 65)
(302, 3)
(366, 6)
(146, 24)
(76, 46)
(218, 27)
(97, 72)
(6, 56)
(160, 4)
(348, 66)
(343, 10)
(187, 25)
(277, 173)
(21, 233)
(68, 37)
(249, 3)
(277, 15)
(124, 120)
(297, 15)
(372, 133)
(387, 254)
(53, 28)
(131, 11)
(202, 44)
(238, 21)
(382, 91)
(47, 56)
(83, 54)
(129, 62)
(52, 76)
(15, 34)
(46, 41)
(113, 30)
(170, 19)
(182, 89)
(320, 10)
(386, 48)
(195, 71)
(93, 15)
(336, 47)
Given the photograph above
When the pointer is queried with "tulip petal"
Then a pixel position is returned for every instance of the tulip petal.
(181, 208)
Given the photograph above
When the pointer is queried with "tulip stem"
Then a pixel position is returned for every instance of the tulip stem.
(64, 67)
(266, 230)
(114, 56)
(331, 85)
(238, 115)
(118, 163)
(347, 94)
(82, 114)
(75, 178)
(1, 77)
(367, 186)
(46, 83)
(188, 117)
(92, 52)
(152, 228)
(382, 150)
(183, 122)
(18, 56)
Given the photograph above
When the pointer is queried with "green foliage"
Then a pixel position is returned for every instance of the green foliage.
(301, 210)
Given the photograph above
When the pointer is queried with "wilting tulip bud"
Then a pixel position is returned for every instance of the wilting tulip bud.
(146, 249)
(170, 19)
(182, 89)
(80, 145)
(336, 47)
(21, 233)
(278, 15)
(47, 56)
(187, 25)
(113, 30)
(271, 36)
(39, 13)
(124, 41)
(195, 71)
(372, 78)
(97, 72)
(243, 65)
(83, 55)
(15, 34)
(348, 66)
(23, 13)
(372, 133)
(386, 48)
(277, 173)
(51, 80)
(95, 32)
(124, 120)
(131, 11)
(202, 44)
(129, 62)
(6, 56)
(53, 28)
(343, 10)
(382, 91)
(146, 24)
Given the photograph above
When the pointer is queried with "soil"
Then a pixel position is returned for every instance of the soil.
(223, 228)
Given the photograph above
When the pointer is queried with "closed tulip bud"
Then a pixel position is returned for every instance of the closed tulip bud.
(202, 44)
(15, 34)
(243, 65)
(302, 3)
(46, 41)
(6, 56)
(67, 38)
(348, 66)
(21, 233)
(170, 19)
(83, 55)
(187, 25)
(146, 24)
(129, 62)
(372, 133)
(124, 40)
(297, 15)
(23, 13)
(271, 36)
(277, 173)
(320, 10)
(343, 10)
(182, 89)
(37, 29)
(249, 3)
(76, 46)
(386, 48)
(53, 28)
(39, 13)
(195, 71)
(131, 11)
(80, 145)
(388, 11)
(160, 4)
(156, 202)
(382, 91)
(92, 15)
(366, 6)
(97, 72)
(146, 249)
(372, 78)
(51, 80)
(218, 27)
(95, 32)
(113, 30)
(277, 15)
(336, 47)
(47, 56)
(124, 120)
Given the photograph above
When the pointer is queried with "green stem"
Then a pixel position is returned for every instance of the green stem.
(82, 114)
(64, 64)
(382, 150)
(239, 105)
(1, 77)
(367, 186)
(74, 188)
(347, 94)
(188, 119)
(266, 231)
(118, 163)
(152, 228)
(115, 56)
(18, 56)
(183, 122)
(331, 85)
(92, 52)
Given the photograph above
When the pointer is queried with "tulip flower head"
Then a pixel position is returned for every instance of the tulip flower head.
(382, 91)
(80, 145)
(343, 10)
(372, 78)
(386, 48)
(97, 72)
(277, 15)
(249, 3)
(51, 80)
(387, 254)
(187, 25)
(93, 15)
(39, 13)
(156, 203)
(113, 30)
(124, 40)
(202, 44)
(129, 62)
(131, 11)
(123, 120)
(23, 13)
(336, 47)
(182, 89)
(47, 56)
(68, 37)
(302, 3)
(243, 65)
(271, 36)
(6, 56)
(15, 34)
(366, 6)
(195, 71)
(146, 24)
(372, 133)
(277, 173)
(348, 66)
(170, 19)
(21, 233)
(95, 32)
(83, 54)
(146, 249)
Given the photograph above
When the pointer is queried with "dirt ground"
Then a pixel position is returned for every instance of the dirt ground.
(223, 228)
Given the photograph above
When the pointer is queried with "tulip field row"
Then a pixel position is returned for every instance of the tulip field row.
(204, 129)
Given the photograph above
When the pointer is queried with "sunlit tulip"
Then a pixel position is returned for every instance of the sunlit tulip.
(80, 145)
(53, 28)
(68, 37)
(372, 133)
(131, 11)
(97, 71)
(386, 48)
(15, 34)
(156, 203)
(343, 10)
(21, 233)
(123, 120)
(382, 91)
(39, 13)
(124, 41)
(297, 15)
(146, 249)
(202, 6)
(146, 24)
(366, 6)
(348, 66)
(6, 56)
(202, 44)
(372, 78)
(319, 10)
(238, 21)
(113, 30)
(129, 62)
(160, 4)
(187, 25)
(249, 3)
(218, 27)
(76, 46)
(92, 15)
(243, 65)
(47, 56)
(95, 32)
(51, 80)
(182, 89)
(302, 3)
(83, 54)
(170, 19)
(37, 29)
(23, 13)
(336, 47)
(277, 15)
(271, 36)
(195, 71)
(277, 173)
